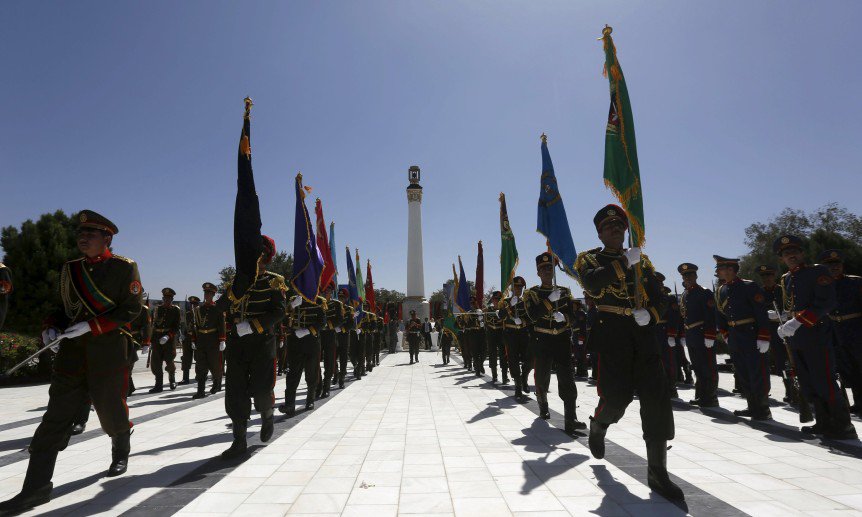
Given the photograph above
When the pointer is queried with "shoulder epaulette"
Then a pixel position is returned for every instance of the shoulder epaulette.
(277, 281)
(124, 259)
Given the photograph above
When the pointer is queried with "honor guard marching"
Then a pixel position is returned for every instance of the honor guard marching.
(344, 335)
(413, 330)
(445, 337)
(666, 335)
(777, 348)
(188, 336)
(101, 295)
(5, 291)
(379, 333)
(742, 317)
(208, 341)
(366, 327)
(494, 337)
(629, 302)
(551, 309)
(809, 296)
(305, 320)
(250, 350)
(847, 321)
(166, 330)
(328, 341)
(516, 336)
(579, 338)
(697, 309)
(472, 331)
(140, 328)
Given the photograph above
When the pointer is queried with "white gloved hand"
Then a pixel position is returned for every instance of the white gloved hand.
(632, 255)
(78, 329)
(559, 317)
(339, 329)
(517, 320)
(514, 301)
(762, 346)
(789, 328)
(49, 334)
(56, 348)
(358, 331)
(773, 316)
(243, 328)
(296, 301)
(555, 295)
(478, 312)
(301, 333)
(683, 342)
(642, 317)
(671, 342)
(281, 344)
(163, 340)
(145, 349)
(709, 343)
(180, 338)
(194, 346)
(221, 346)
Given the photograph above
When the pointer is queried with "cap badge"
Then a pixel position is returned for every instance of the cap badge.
(785, 240)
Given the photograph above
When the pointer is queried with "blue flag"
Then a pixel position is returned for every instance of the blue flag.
(352, 290)
(307, 262)
(552, 221)
(462, 298)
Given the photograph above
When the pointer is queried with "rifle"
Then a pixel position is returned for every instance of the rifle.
(32, 356)
(804, 409)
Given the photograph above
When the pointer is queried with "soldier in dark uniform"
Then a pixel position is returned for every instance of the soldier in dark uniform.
(5, 290)
(367, 324)
(592, 316)
(742, 317)
(140, 328)
(579, 339)
(778, 351)
(305, 321)
(494, 337)
(697, 309)
(281, 351)
(166, 329)
(101, 294)
(445, 338)
(516, 337)
(623, 336)
(251, 349)
(473, 336)
(344, 335)
(208, 341)
(550, 309)
(413, 330)
(334, 319)
(676, 328)
(847, 322)
(187, 337)
(379, 332)
(665, 330)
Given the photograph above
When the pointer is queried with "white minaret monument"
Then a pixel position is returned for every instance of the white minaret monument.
(415, 269)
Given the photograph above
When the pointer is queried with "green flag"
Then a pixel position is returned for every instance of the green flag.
(360, 285)
(508, 251)
(622, 174)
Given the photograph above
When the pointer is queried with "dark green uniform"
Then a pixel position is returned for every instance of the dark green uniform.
(188, 338)
(209, 335)
(494, 341)
(303, 353)
(413, 329)
(141, 327)
(166, 329)
(343, 337)
(329, 345)
(473, 340)
(516, 336)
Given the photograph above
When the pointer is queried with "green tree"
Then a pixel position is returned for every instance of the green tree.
(34, 254)
(828, 227)
(382, 296)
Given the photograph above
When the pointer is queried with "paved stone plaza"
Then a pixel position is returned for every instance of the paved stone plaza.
(433, 440)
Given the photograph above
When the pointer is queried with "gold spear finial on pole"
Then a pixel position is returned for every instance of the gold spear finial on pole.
(544, 138)
(248, 105)
(606, 31)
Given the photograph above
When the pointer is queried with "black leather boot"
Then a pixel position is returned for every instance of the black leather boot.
(120, 448)
(37, 484)
(216, 386)
(185, 378)
(657, 476)
(201, 393)
(761, 411)
(158, 387)
(686, 368)
(597, 438)
(525, 382)
(239, 445)
(172, 382)
(131, 386)
(266, 426)
(341, 380)
(821, 419)
(571, 418)
(748, 410)
(309, 401)
(289, 406)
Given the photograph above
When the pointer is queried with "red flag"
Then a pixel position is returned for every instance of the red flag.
(480, 278)
(369, 289)
(323, 247)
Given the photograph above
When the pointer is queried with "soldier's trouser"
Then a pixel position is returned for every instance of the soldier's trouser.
(343, 351)
(86, 368)
(629, 361)
(329, 351)
(413, 344)
(815, 369)
(681, 359)
(504, 357)
(580, 355)
(250, 375)
(704, 364)
(668, 359)
(393, 338)
(368, 340)
(281, 354)
(83, 415)
(547, 351)
(848, 352)
(751, 365)
(466, 350)
(476, 340)
(378, 343)
(518, 351)
(493, 338)
(208, 359)
(357, 354)
(303, 355)
(162, 355)
(188, 354)
(445, 348)
(777, 351)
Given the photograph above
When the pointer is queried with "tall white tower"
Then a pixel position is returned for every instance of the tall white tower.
(415, 268)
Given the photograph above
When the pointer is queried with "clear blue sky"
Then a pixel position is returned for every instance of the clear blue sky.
(134, 110)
